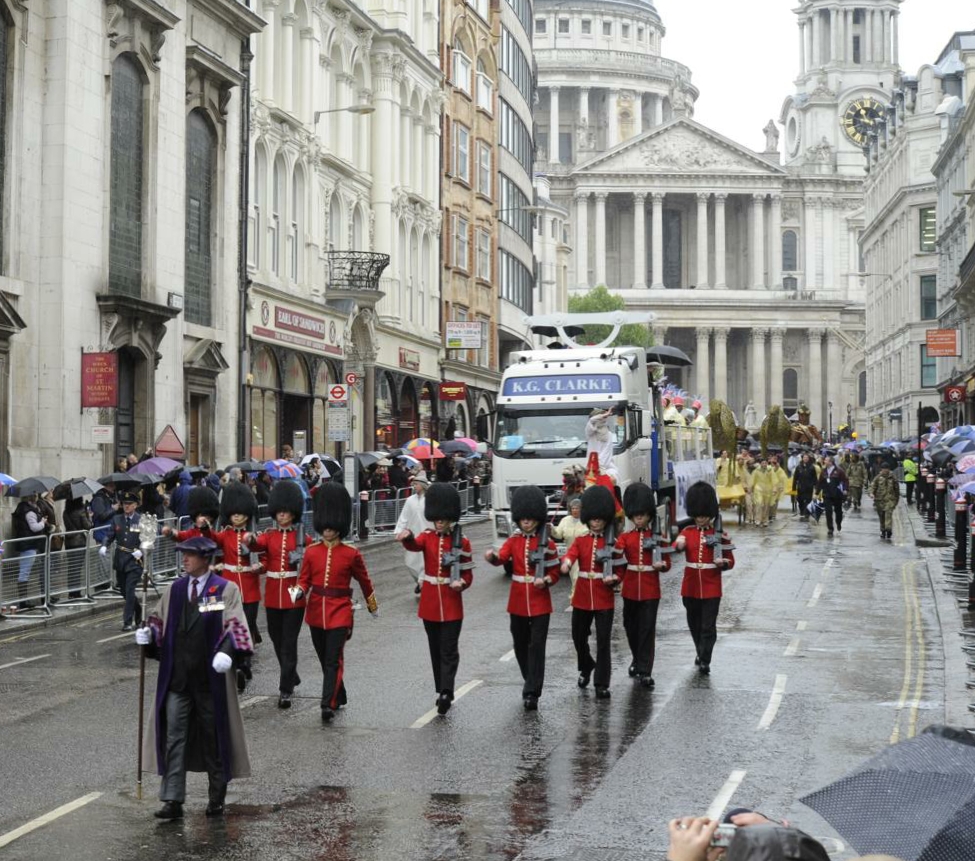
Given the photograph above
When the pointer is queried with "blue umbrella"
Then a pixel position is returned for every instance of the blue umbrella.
(967, 488)
(7, 480)
(961, 447)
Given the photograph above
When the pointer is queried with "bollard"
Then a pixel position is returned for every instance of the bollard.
(363, 515)
(961, 538)
(940, 527)
(476, 481)
(920, 488)
(929, 506)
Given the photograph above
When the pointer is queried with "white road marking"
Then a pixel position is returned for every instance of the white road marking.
(57, 813)
(430, 715)
(117, 637)
(724, 796)
(20, 661)
(801, 626)
(792, 648)
(815, 595)
(507, 656)
(251, 701)
(772, 709)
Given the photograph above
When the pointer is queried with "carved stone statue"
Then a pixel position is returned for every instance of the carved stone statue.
(751, 417)
(771, 137)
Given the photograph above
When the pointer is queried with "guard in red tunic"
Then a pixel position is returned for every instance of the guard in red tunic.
(284, 545)
(535, 563)
(708, 553)
(644, 555)
(327, 572)
(203, 508)
(593, 599)
(448, 571)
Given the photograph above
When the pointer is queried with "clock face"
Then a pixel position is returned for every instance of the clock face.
(861, 118)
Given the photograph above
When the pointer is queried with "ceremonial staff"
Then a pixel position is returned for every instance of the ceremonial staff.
(148, 525)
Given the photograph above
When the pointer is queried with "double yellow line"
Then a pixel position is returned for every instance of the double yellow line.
(914, 657)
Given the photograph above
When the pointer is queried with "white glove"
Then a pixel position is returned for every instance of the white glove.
(222, 662)
(296, 594)
(143, 637)
(137, 555)
(103, 551)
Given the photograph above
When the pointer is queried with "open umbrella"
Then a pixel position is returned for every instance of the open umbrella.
(121, 480)
(966, 464)
(160, 465)
(151, 478)
(671, 357)
(914, 800)
(961, 447)
(423, 452)
(420, 442)
(7, 480)
(368, 458)
(308, 458)
(247, 466)
(34, 484)
(282, 469)
(967, 488)
(941, 457)
(75, 488)
(456, 446)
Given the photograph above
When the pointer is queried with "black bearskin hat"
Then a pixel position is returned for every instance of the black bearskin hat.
(528, 503)
(638, 499)
(202, 500)
(237, 498)
(332, 509)
(701, 500)
(442, 502)
(286, 496)
(598, 502)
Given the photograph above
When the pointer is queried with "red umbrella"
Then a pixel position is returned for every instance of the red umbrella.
(424, 452)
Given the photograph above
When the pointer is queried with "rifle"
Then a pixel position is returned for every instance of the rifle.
(606, 554)
(296, 555)
(714, 540)
(456, 539)
(538, 555)
(657, 547)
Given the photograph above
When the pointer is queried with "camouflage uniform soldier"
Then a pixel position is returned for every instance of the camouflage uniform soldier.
(856, 472)
(886, 494)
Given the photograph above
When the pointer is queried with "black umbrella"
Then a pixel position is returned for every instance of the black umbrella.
(914, 800)
(121, 480)
(671, 357)
(942, 457)
(75, 488)
(197, 470)
(32, 485)
(455, 446)
(150, 478)
(248, 466)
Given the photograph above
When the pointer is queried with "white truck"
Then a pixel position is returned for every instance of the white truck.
(546, 399)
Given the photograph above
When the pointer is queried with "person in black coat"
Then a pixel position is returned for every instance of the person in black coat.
(76, 524)
(832, 487)
(804, 478)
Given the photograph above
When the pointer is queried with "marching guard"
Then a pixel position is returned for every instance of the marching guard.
(283, 545)
(644, 555)
(203, 509)
(708, 553)
(594, 599)
(535, 562)
(327, 571)
(449, 570)
(125, 534)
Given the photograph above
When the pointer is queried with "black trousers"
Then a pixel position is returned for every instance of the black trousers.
(250, 613)
(529, 635)
(834, 508)
(640, 624)
(886, 519)
(443, 639)
(803, 498)
(284, 626)
(581, 629)
(128, 575)
(186, 710)
(909, 490)
(330, 646)
(702, 621)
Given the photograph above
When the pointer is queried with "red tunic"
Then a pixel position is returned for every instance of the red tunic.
(438, 601)
(327, 572)
(192, 532)
(641, 582)
(702, 578)
(245, 571)
(590, 592)
(525, 598)
(277, 544)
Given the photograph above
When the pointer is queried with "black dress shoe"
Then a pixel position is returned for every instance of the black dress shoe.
(241, 681)
(583, 680)
(602, 693)
(531, 703)
(258, 638)
(170, 810)
(327, 714)
(648, 682)
(632, 671)
(284, 701)
(697, 662)
(443, 703)
(215, 808)
(704, 669)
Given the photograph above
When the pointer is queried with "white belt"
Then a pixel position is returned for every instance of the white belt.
(437, 581)
(281, 575)
(237, 569)
(592, 575)
(700, 565)
(517, 578)
(640, 568)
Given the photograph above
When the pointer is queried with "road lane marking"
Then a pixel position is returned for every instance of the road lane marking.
(727, 791)
(913, 667)
(919, 686)
(430, 715)
(772, 709)
(57, 813)
(814, 600)
(792, 648)
(20, 661)
(908, 654)
(116, 637)
(801, 626)
(251, 701)
(507, 656)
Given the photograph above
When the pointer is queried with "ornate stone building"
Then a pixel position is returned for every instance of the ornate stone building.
(750, 262)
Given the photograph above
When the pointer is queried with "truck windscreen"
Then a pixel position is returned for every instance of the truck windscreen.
(532, 432)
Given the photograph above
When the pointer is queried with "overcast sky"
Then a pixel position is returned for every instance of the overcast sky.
(744, 79)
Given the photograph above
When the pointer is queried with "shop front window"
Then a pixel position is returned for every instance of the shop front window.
(408, 413)
(319, 440)
(427, 425)
(385, 420)
(295, 404)
(264, 405)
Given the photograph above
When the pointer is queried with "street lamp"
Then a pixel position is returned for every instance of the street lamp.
(849, 419)
(361, 110)
(829, 431)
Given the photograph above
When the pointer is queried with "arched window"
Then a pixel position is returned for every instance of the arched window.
(335, 223)
(264, 405)
(385, 418)
(5, 36)
(294, 377)
(260, 207)
(296, 229)
(461, 72)
(862, 389)
(279, 211)
(125, 231)
(201, 163)
(323, 382)
(790, 251)
(790, 389)
(485, 88)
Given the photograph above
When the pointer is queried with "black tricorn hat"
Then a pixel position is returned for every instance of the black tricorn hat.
(701, 500)
(237, 498)
(333, 509)
(528, 503)
(597, 502)
(202, 500)
(638, 499)
(286, 496)
(442, 502)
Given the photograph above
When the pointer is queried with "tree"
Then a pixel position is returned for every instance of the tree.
(600, 300)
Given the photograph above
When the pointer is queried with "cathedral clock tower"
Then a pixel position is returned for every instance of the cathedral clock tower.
(848, 70)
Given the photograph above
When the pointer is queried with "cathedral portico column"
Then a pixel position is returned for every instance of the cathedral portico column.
(776, 337)
(657, 229)
(885, 35)
(829, 243)
(612, 119)
(600, 237)
(720, 280)
(288, 21)
(584, 105)
(802, 47)
(639, 240)
(721, 363)
(702, 364)
(814, 375)
(776, 240)
(582, 238)
(834, 364)
(757, 393)
(553, 125)
(658, 110)
(702, 239)
(758, 241)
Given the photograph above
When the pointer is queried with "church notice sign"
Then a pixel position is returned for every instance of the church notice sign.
(99, 380)
(942, 342)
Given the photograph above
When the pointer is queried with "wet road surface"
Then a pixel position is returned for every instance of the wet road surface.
(825, 654)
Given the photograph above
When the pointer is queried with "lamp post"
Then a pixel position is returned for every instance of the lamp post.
(829, 427)
(849, 420)
(348, 109)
